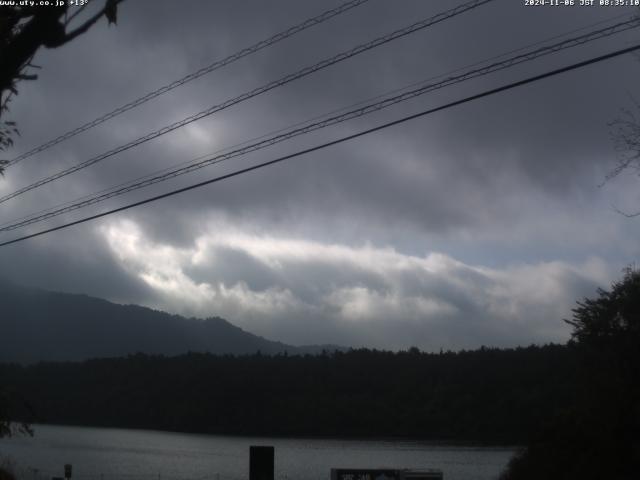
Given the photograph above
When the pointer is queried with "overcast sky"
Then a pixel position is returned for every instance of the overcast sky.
(478, 225)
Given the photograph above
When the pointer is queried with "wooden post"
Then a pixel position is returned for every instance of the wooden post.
(261, 463)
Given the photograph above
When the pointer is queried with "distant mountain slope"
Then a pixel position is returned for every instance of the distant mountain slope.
(41, 325)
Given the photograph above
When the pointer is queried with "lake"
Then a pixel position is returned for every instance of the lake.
(107, 454)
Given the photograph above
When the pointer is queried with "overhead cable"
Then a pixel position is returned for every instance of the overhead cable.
(323, 115)
(487, 93)
(311, 22)
(349, 115)
(255, 92)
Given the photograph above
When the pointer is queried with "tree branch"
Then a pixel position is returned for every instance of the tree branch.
(75, 14)
(108, 6)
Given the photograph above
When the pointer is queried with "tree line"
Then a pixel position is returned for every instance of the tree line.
(574, 407)
(486, 395)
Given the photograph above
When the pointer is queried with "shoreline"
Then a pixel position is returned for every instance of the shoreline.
(430, 442)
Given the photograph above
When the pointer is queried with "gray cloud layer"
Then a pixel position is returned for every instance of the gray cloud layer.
(478, 225)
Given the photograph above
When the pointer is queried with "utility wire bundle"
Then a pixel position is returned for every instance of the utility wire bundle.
(352, 114)
(289, 32)
(427, 22)
(307, 127)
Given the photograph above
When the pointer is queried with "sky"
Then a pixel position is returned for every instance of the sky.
(481, 224)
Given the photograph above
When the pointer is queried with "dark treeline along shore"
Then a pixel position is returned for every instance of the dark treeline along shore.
(486, 395)
(575, 407)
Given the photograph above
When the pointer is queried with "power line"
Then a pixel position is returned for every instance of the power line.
(317, 117)
(311, 22)
(258, 91)
(150, 179)
(367, 109)
(487, 93)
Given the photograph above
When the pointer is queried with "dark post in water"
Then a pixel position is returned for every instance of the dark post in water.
(261, 463)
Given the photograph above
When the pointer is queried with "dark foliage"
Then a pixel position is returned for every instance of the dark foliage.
(599, 436)
(487, 395)
(6, 474)
(12, 401)
(24, 29)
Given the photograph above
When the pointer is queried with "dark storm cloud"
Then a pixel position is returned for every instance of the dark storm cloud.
(75, 264)
(507, 182)
(518, 123)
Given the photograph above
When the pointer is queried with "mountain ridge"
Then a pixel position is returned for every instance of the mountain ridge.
(43, 325)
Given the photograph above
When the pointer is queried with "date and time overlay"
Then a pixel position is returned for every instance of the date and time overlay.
(582, 3)
(527, 3)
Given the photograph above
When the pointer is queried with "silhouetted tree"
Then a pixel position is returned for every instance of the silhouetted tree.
(599, 436)
(612, 319)
(625, 133)
(9, 428)
(23, 30)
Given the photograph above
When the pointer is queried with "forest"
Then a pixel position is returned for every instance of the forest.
(575, 408)
(486, 395)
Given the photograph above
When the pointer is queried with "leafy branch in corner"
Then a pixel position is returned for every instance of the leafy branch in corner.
(23, 30)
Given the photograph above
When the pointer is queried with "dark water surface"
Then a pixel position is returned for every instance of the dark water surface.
(106, 454)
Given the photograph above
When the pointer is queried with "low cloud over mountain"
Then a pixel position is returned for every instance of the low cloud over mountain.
(40, 325)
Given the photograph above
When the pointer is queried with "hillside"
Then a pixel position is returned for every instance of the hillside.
(38, 325)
